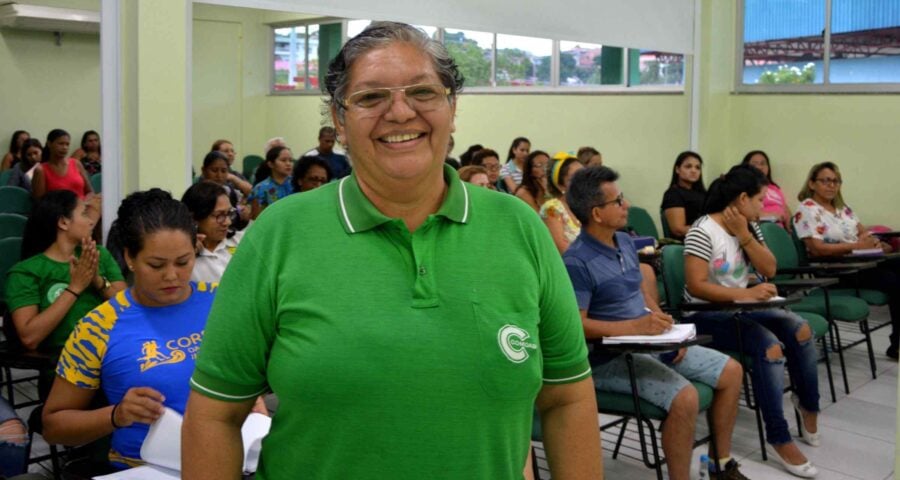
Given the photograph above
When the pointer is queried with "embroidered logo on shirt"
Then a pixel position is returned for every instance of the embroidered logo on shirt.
(55, 291)
(512, 340)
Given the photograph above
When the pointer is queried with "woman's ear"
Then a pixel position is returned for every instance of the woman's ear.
(63, 223)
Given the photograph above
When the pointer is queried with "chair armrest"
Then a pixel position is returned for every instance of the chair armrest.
(797, 284)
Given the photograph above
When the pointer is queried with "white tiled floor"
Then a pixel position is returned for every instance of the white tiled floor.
(859, 430)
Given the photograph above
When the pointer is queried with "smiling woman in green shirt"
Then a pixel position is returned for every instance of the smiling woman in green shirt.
(389, 356)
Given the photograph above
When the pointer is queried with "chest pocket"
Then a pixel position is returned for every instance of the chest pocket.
(510, 351)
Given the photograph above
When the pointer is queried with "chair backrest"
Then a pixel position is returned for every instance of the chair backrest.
(250, 164)
(15, 200)
(12, 225)
(665, 225)
(641, 222)
(10, 253)
(4, 176)
(673, 274)
(97, 182)
(800, 248)
(780, 244)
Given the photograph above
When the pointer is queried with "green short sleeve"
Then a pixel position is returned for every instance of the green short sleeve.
(108, 266)
(22, 288)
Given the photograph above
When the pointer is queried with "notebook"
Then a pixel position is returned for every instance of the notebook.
(678, 333)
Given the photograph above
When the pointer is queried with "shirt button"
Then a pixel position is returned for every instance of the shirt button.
(423, 271)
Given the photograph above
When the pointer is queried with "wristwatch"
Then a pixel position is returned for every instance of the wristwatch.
(106, 284)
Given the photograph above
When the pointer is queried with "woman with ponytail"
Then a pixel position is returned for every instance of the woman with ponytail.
(557, 215)
(144, 341)
(721, 250)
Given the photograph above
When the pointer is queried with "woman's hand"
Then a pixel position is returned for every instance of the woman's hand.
(141, 405)
(198, 247)
(736, 223)
(83, 269)
(260, 406)
(760, 292)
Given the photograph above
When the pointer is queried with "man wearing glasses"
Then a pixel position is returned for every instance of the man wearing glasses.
(604, 268)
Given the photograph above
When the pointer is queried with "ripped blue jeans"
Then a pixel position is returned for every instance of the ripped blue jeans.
(760, 330)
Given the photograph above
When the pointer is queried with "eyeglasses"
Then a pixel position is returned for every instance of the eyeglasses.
(620, 200)
(539, 165)
(423, 97)
(830, 181)
(222, 217)
(315, 179)
(492, 168)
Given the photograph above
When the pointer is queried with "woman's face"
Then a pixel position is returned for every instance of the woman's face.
(92, 143)
(573, 168)
(522, 150)
(751, 206)
(215, 226)
(759, 162)
(826, 184)
(228, 150)
(32, 155)
(283, 164)
(402, 144)
(480, 179)
(689, 170)
(162, 269)
(539, 166)
(60, 147)
(20, 140)
(315, 177)
(216, 172)
(80, 225)
(492, 165)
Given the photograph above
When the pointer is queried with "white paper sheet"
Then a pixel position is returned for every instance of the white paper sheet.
(678, 333)
(146, 472)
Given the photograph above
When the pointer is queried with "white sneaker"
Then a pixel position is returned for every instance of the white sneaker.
(813, 439)
(805, 470)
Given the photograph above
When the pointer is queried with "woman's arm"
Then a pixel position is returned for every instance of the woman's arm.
(675, 217)
(819, 248)
(698, 285)
(554, 223)
(244, 186)
(571, 433)
(7, 162)
(211, 438)
(38, 183)
(256, 209)
(528, 198)
(510, 183)
(88, 188)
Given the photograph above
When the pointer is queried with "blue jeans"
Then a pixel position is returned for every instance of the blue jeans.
(760, 330)
(12, 447)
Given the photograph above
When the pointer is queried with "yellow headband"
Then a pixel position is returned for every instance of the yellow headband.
(556, 168)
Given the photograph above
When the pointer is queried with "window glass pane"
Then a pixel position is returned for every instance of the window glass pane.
(311, 78)
(865, 41)
(650, 67)
(783, 41)
(290, 51)
(472, 52)
(579, 64)
(523, 61)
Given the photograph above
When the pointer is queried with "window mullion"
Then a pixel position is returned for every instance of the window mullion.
(494, 62)
(826, 49)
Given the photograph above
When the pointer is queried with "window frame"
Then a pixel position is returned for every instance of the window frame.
(810, 88)
(294, 24)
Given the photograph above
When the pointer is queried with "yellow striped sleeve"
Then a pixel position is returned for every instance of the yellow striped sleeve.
(82, 356)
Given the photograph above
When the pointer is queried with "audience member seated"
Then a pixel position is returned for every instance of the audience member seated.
(58, 171)
(89, 153)
(215, 170)
(775, 207)
(683, 201)
(533, 189)
(490, 160)
(310, 173)
(144, 340)
(475, 175)
(272, 143)
(589, 157)
(276, 182)
(720, 251)
(337, 162)
(212, 213)
(604, 268)
(466, 158)
(13, 442)
(557, 215)
(829, 228)
(15, 148)
(511, 173)
(450, 160)
(23, 170)
(235, 179)
(63, 274)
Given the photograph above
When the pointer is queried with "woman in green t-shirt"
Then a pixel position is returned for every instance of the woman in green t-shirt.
(63, 274)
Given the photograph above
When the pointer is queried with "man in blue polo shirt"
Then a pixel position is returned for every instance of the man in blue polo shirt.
(603, 265)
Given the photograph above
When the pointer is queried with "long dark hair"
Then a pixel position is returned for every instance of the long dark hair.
(515, 143)
(147, 212)
(740, 179)
(201, 197)
(31, 142)
(529, 181)
(698, 185)
(51, 137)
(41, 228)
(12, 141)
(301, 168)
(85, 137)
(264, 171)
(466, 157)
(750, 154)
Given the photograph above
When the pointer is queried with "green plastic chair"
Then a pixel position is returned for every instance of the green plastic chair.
(250, 164)
(4, 176)
(640, 221)
(665, 224)
(12, 225)
(10, 253)
(15, 200)
(97, 182)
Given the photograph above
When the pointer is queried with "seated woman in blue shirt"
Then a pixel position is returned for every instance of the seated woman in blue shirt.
(139, 346)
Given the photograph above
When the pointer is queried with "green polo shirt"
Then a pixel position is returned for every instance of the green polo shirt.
(394, 355)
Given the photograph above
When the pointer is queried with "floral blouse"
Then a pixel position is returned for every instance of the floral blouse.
(555, 209)
(814, 221)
